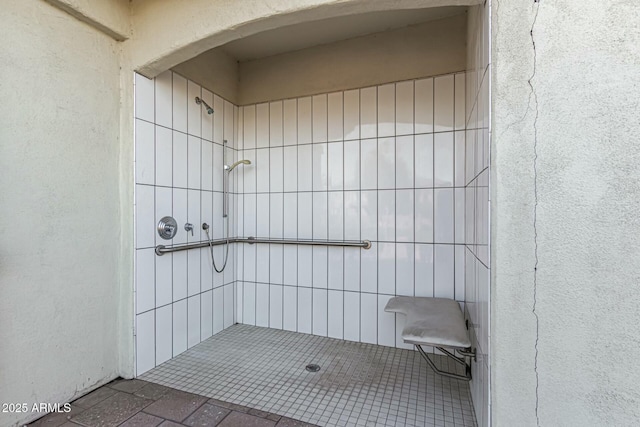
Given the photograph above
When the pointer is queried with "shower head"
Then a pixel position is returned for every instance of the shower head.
(201, 101)
(233, 166)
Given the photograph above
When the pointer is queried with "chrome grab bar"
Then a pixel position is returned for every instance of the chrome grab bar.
(365, 244)
(162, 249)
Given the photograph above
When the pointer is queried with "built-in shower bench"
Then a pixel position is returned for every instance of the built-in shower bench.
(436, 322)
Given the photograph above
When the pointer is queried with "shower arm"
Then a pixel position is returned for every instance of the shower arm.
(233, 166)
(201, 101)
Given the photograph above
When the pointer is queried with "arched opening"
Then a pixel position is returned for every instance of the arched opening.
(352, 122)
(167, 33)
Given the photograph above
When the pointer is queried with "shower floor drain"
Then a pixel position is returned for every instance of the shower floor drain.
(312, 367)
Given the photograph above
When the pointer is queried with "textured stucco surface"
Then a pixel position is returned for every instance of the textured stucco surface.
(59, 166)
(66, 156)
(435, 47)
(565, 190)
(168, 32)
(214, 70)
(432, 48)
(112, 17)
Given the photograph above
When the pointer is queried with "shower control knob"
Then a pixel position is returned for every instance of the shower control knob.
(188, 227)
(167, 228)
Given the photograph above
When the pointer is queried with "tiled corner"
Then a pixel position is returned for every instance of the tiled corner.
(476, 201)
(179, 163)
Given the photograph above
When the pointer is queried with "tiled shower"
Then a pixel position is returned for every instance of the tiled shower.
(477, 204)
(379, 163)
(179, 150)
(404, 165)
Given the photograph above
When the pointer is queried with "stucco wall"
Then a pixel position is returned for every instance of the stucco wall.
(112, 17)
(433, 48)
(565, 203)
(59, 168)
(564, 184)
(199, 25)
(214, 70)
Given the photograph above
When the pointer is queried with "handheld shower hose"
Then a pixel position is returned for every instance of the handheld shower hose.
(205, 227)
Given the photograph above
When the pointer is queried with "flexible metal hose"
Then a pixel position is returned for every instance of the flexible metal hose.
(226, 255)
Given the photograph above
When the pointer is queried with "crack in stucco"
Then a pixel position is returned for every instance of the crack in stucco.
(531, 92)
(534, 96)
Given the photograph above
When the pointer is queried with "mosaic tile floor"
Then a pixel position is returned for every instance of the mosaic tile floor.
(358, 384)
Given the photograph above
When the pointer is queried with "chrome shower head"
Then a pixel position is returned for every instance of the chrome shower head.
(201, 101)
(233, 166)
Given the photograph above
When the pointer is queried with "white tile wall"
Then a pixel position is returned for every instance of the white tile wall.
(164, 335)
(475, 201)
(351, 118)
(404, 165)
(368, 113)
(404, 157)
(359, 164)
(275, 124)
(145, 341)
(178, 170)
